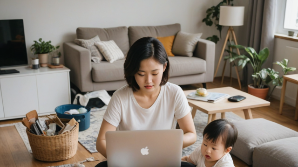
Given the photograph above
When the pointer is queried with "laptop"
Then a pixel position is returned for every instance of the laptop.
(144, 148)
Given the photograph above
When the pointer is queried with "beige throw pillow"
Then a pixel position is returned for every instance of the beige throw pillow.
(89, 44)
(185, 43)
(110, 50)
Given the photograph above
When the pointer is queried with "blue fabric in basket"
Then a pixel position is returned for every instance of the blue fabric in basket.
(83, 119)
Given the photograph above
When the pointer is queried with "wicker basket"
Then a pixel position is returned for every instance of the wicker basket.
(54, 148)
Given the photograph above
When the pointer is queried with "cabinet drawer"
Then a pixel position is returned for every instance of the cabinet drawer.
(19, 95)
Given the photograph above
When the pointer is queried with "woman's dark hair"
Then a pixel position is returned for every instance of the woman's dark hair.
(221, 128)
(142, 49)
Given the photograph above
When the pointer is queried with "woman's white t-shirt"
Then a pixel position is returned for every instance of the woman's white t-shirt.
(125, 113)
(199, 159)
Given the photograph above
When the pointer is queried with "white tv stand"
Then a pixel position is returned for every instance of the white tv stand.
(40, 89)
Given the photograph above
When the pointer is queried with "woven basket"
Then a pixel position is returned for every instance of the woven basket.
(54, 148)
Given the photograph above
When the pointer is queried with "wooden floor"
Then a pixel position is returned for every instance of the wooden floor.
(14, 153)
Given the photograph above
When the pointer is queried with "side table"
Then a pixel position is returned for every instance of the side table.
(294, 79)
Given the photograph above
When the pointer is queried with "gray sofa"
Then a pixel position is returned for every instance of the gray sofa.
(90, 76)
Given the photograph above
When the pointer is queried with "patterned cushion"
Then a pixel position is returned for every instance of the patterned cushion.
(110, 50)
(89, 44)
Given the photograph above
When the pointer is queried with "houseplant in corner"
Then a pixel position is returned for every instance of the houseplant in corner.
(256, 60)
(42, 48)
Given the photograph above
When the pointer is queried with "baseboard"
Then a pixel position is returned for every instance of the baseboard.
(287, 100)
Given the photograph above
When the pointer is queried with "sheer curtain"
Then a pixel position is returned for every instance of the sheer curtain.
(259, 32)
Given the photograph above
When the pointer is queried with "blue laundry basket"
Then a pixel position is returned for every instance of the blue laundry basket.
(82, 119)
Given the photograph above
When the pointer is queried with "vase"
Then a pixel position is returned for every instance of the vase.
(43, 59)
(55, 61)
(258, 92)
(35, 63)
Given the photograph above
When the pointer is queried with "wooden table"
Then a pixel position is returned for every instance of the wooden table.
(294, 79)
(224, 105)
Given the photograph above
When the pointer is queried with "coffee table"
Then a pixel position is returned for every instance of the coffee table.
(224, 105)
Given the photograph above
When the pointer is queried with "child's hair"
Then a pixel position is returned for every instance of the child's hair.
(221, 128)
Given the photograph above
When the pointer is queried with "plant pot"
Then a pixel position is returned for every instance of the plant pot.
(258, 92)
(43, 59)
(35, 63)
(55, 61)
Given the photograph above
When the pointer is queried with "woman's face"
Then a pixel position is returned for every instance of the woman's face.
(149, 75)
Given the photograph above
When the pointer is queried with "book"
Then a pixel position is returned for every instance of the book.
(212, 97)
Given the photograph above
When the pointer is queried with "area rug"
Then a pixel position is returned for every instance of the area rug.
(88, 137)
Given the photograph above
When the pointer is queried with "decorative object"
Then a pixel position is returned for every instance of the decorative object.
(291, 33)
(110, 50)
(185, 43)
(42, 48)
(202, 92)
(88, 137)
(35, 63)
(213, 17)
(56, 57)
(230, 16)
(167, 43)
(96, 56)
(259, 87)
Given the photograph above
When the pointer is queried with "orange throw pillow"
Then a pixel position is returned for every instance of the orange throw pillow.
(167, 43)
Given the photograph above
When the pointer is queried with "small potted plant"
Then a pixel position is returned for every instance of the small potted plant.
(42, 48)
(256, 60)
(56, 57)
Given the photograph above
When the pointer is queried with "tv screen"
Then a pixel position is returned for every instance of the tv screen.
(12, 43)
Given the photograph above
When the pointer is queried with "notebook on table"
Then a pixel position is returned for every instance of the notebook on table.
(144, 148)
(212, 97)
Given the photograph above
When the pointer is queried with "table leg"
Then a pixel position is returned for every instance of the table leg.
(209, 118)
(296, 112)
(213, 117)
(193, 112)
(282, 97)
(247, 113)
(223, 115)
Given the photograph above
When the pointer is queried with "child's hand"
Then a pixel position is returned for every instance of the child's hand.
(184, 158)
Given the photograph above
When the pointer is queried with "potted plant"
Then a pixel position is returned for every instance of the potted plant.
(256, 60)
(273, 76)
(56, 57)
(42, 48)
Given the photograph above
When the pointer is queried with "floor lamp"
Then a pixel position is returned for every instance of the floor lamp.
(230, 16)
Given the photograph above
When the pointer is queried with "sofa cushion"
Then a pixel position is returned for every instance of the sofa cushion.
(137, 32)
(180, 66)
(105, 71)
(277, 153)
(185, 43)
(118, 34)
(89, 44)
(255, 132)
(109, 50)
(167, 43)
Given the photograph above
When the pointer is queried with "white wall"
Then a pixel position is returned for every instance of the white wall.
(57, 20)
(285, 49)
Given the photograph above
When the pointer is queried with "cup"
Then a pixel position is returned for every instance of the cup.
(291, 33)
(35, 63)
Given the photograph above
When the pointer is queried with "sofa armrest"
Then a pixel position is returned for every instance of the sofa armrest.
(78, 60)
(206, 50)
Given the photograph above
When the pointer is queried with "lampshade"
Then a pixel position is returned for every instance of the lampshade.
(231, 15)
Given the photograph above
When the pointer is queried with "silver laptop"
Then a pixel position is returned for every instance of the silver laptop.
(144, 148)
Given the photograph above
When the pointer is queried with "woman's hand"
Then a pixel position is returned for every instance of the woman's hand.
(187, 125)
(101, 139)
(184, 158)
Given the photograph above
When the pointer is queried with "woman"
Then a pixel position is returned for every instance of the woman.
(148, 102)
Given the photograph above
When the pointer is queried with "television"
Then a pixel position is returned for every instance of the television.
(12, 43)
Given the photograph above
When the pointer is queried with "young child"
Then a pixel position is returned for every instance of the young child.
(219, 138)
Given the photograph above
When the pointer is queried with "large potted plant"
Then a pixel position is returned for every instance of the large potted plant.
(256, 60)
(42, 49)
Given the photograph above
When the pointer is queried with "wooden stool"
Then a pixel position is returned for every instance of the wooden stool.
(294, 79)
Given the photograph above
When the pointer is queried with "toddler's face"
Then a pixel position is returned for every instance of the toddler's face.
(213, 151)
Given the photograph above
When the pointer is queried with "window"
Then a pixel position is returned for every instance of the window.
(291, 15)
